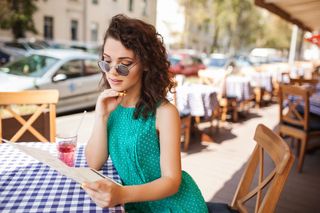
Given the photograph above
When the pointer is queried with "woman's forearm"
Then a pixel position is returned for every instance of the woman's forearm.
(97, 150)
(155, 190)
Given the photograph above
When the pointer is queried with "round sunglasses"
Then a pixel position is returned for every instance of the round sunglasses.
(120, 68)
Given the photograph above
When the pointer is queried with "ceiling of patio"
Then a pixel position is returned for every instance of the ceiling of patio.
(304, 13)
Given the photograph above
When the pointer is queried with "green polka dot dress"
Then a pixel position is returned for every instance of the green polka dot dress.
(133, 145)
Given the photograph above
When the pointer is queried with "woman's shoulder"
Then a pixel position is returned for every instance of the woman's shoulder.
(167, 109)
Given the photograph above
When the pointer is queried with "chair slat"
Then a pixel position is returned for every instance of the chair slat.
(47, 99)
(29, 97)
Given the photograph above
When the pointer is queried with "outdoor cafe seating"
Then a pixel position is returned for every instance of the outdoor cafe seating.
(296, 121)
(267, 187)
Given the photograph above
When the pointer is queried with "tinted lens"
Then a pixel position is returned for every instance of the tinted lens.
(122, 70)
(104, 66)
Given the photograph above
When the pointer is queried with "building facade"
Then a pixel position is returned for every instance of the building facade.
(178, 23)
(66, 21)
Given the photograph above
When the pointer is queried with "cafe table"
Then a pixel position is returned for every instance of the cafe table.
(199, 100)
(26, 185)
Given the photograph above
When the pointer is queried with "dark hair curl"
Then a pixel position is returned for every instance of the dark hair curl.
(148, 46)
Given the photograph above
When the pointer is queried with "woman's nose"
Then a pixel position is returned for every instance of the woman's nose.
(113, 70)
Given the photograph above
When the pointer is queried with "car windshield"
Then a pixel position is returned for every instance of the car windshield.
(36, 46)
(32, 66)
(174, 60)
(217, 62)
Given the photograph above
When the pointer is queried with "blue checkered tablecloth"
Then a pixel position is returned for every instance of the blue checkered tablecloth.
(26, 185)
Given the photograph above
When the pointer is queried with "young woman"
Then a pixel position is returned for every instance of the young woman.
(138, 127)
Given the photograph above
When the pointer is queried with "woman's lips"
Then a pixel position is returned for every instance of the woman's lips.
(115, 81)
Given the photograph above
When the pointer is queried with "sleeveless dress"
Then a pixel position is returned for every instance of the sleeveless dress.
(133, 146)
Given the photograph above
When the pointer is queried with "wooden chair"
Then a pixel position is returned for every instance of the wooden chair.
(308, 83)
(268, 189)
(186, 130)
(185, 125)
(44, 100)
(229, 104)
(295, 119)
(302, 81)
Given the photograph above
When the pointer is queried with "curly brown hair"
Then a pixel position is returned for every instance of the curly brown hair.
(148, 46)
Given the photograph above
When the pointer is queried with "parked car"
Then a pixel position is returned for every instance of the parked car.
(7, 55)
(260, 56)
(22, 47)
(217, 61)
(27, 45)
(185, 64)
(87, 47)
(74, 73)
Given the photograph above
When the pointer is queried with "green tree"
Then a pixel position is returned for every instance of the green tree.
(17, 16)
(238, 25)
(276, 33)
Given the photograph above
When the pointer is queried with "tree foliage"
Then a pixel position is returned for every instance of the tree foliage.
(17, 16)
(238, 25)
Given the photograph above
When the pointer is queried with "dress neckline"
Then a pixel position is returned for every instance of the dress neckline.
(129, 107)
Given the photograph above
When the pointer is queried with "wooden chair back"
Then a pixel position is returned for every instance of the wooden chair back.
(311, 84)
(271, 144)
(45, 100)
(294, 105)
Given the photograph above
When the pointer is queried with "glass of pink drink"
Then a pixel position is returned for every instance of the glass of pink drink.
(66, 147)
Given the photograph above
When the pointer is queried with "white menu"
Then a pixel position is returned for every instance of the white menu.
(80, 174)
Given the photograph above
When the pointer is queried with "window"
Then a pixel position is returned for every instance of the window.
(48, 27)
(15, 45)
(145, 7)
(32, 66)
(74, 30)
(91, 67)
(72, 69)
(94, 31)
(130, 5)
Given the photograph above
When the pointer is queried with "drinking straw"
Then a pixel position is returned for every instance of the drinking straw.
(83, 115)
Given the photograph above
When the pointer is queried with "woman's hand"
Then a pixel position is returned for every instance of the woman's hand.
(107, 101)
(104, 193)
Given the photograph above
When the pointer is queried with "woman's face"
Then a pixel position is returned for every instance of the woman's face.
(115, 53)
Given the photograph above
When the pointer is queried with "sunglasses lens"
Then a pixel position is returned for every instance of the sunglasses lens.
(104, 66)
(122, 70)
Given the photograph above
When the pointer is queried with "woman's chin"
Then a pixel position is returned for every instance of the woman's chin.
(118, 89)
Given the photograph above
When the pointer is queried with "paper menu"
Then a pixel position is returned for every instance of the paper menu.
(77, 174)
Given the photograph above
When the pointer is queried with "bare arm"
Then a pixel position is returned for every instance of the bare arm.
(106, 194)
(97, 147)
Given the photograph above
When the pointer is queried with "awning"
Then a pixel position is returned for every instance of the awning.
(315, 39)
(303, 13)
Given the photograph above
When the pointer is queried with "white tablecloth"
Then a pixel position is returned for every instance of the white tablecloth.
(196, 99)
(239, 86)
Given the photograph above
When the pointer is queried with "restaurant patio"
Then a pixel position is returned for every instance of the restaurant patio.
(217, 166)
(222, 109)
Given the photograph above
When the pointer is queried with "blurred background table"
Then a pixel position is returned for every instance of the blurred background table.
(197, 99)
